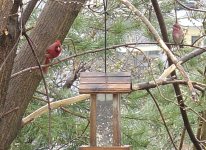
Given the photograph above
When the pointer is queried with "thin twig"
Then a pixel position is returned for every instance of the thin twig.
(182, 60)
(182, 138)
(74, 113)
(54, 105)
(40, 99)
(72, 56)
(8, 112)
(7, 57)
(162, 45)
(77, 136)
(157, 105)
(45, 85)
(158, 82)
(193, 9)
(198, 39)
(175, 12)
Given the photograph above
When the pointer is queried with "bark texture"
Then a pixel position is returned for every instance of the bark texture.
(5, 7)
(4, 13)
(9, 32)
(54, 22)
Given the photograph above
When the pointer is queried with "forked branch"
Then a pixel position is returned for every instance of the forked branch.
(162, 45)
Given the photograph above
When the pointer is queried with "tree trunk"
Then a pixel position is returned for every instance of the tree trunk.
(9, 33)
(5, 8)
(4, 78)
(54, 22)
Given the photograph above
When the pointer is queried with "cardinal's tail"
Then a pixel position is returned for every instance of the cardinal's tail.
(46, 62)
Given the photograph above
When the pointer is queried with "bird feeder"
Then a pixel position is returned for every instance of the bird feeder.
(105, 88)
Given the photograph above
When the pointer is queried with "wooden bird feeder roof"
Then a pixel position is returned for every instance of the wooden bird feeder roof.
(98, 82)
(126, 147)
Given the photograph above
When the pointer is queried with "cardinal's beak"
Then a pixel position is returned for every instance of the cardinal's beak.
(59, 48)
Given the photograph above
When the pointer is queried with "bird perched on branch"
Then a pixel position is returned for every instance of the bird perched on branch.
(177, 34)
(52, 51)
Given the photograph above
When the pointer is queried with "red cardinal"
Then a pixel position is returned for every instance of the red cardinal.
(177, 34)
(52, 51)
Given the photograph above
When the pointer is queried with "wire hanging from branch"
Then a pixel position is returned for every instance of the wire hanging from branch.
(105, 35)
(175, 4)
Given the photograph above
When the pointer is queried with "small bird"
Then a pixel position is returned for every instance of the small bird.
(52, 51)
(177, 34)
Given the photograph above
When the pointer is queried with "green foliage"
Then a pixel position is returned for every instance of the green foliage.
(142, 126)
(66, 131)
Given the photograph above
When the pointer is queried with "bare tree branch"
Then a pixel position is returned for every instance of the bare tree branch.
(173, 73)
(75, 113)
(75, 75)
(158, 82)
(182, 60)
(188, 8)
(162, 44)
(70, 57)
(54, 105)
(164, 75)
(27, 12)
(45, 84)
(161, 115)
(182, 138)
